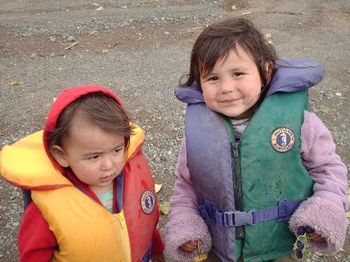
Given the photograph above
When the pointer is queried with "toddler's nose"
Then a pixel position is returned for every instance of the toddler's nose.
(107, 163)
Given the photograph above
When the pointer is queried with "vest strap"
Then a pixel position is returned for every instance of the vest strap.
(281, 212)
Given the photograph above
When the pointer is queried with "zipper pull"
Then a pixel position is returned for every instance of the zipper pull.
(235, 149)
(121, 219)
(235, 145)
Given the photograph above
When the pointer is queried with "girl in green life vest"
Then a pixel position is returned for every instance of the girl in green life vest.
(256, 169)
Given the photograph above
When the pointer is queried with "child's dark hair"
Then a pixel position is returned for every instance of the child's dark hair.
(218, 39)
(100, 110)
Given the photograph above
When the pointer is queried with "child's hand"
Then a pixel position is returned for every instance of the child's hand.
(190, 246)
(316, 237)
(301, 245)
(158, 258)
(311, 234)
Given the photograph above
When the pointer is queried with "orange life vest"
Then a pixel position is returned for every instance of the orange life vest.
(85, 230)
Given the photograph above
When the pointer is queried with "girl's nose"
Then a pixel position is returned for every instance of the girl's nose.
(227, 86)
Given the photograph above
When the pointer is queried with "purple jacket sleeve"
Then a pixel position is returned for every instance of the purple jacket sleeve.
(184, 222)
(325, 209)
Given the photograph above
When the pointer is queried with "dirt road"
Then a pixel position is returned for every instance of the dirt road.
(140, 49)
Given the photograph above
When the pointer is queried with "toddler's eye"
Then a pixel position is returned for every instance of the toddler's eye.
(118, 149)
(94, 157)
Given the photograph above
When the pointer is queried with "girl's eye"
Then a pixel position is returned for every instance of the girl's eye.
(212, 78)
(236, 74)
(94, 157)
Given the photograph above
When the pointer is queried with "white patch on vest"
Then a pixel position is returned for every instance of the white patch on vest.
(282, 139)
(148, 202)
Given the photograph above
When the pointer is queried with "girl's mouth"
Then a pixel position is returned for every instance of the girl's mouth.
(229, 101)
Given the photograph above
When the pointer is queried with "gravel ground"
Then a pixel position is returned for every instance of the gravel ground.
(140, 49)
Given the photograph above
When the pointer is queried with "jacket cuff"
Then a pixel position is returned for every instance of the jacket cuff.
(325, 218)
(182, 229)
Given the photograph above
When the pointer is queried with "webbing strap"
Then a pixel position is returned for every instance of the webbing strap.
(281, 212)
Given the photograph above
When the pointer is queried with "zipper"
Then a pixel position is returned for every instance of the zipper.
(124, 236)
(237, 182)
(235, 141)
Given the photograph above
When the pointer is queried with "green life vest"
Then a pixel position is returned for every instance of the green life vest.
(266, 164)
(269, 174)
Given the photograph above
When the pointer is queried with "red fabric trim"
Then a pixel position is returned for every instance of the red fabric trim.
(114, 203)
(46, 187)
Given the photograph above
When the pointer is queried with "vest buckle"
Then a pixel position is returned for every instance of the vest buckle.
(243, 218)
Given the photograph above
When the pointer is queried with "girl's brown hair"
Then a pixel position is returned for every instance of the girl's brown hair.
(100, 110)
(217, 40)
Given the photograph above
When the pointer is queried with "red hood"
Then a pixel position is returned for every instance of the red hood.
(66, 97)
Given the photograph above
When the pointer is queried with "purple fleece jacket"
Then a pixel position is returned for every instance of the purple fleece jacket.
(324, 210)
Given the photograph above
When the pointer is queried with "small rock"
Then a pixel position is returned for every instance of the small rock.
(268, 38)
(71, 38)
(52, 39)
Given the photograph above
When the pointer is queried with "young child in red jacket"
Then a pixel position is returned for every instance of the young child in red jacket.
(92, 190)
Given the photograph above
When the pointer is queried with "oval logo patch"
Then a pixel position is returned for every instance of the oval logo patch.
(148, 202)
(282, 139)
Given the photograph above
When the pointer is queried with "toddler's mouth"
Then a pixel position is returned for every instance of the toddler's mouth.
(106, 178)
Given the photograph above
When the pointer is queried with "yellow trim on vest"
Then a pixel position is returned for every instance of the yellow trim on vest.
(136, 140)
(84, 230)
(25, 163)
